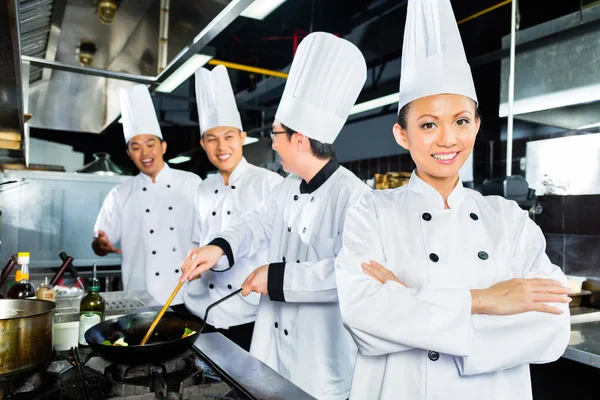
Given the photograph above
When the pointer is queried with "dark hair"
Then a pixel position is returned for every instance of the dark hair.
(322, 151)
(404, 113)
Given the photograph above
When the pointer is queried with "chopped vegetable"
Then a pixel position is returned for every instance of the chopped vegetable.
(187, 332)
(120, 342)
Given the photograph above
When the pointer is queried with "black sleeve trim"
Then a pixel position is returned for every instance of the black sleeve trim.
(224, 245)
(275, 281)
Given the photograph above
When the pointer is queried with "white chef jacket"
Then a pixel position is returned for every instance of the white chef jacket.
(299, 331)
(153, 222)
(217, 207)
(421, 341)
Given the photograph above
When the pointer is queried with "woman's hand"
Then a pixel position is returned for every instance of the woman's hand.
(518, 296)
(379, 272)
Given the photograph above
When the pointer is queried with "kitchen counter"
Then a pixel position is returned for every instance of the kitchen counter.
(584, 346)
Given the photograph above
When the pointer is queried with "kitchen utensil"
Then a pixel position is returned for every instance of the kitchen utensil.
(161, 313)
(166, 342)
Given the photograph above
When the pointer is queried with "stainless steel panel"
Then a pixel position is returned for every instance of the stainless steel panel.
(129, 45)
(11, 100)
(560, 74)
(584, 346)
(50, 212)
(256, 378)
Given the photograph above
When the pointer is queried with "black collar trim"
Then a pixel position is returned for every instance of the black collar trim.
(320, 178)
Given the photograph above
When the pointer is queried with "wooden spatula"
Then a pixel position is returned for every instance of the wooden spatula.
(160, 314)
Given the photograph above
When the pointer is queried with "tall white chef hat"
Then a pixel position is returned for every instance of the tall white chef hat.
(433, 57)
(325, 80)
(215, 98)
(137, 111)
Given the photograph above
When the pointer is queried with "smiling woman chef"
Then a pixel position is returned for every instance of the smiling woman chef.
(451, 301)
(151, 214)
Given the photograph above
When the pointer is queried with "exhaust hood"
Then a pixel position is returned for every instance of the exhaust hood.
(87, 60)
(557, 79)
(11, 94)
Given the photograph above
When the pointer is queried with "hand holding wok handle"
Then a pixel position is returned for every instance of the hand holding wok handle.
(160, 314)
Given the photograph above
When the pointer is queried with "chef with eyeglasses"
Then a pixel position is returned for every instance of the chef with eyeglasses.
(299, 331)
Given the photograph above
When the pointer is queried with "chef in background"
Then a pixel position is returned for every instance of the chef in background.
(151, 214)
(448, 294)
(299, 331)
(221, 199)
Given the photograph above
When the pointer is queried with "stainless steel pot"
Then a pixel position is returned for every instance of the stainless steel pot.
(25, 336)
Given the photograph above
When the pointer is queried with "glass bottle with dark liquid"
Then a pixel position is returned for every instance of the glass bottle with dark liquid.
(22, 289)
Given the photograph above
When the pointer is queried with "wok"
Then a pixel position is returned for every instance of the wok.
(166, 341)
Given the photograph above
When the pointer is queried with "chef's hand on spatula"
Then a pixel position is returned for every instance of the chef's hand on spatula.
(198, 261)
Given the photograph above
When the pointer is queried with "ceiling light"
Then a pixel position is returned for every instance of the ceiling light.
(375, 103)
(184, 72)
(261, 8)
(250, 140)
(179, 160)
(107, 10)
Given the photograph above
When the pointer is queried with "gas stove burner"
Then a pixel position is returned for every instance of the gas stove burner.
(181, 377)
(38, 386)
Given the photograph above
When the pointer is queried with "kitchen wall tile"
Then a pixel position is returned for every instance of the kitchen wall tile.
(582, 215)
(582, 255)
(550, 220)
(554, 249)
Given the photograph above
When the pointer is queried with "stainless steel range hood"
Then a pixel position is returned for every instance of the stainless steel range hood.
(557, 74)
(11, 95)
(71, 97)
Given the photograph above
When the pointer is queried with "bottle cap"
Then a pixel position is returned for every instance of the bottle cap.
(23, 258)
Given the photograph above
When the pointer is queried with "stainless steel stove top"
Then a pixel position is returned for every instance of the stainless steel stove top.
(215, 368)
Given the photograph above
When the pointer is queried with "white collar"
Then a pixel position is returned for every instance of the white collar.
(237, 172)
(432, 197)
(165, 175)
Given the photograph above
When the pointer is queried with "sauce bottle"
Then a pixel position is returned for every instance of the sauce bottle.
(22, 289)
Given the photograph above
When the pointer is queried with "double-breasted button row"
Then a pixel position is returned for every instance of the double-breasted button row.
(285, 332)
(427, 217)
(144, 188)
(433, 355)
(435, 258)
(215, 213)
(482, 256)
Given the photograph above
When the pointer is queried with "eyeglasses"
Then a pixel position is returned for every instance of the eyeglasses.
(273, 133)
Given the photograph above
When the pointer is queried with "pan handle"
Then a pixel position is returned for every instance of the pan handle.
(216, 303)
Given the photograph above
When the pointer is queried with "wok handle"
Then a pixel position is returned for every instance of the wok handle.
(216, 303)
